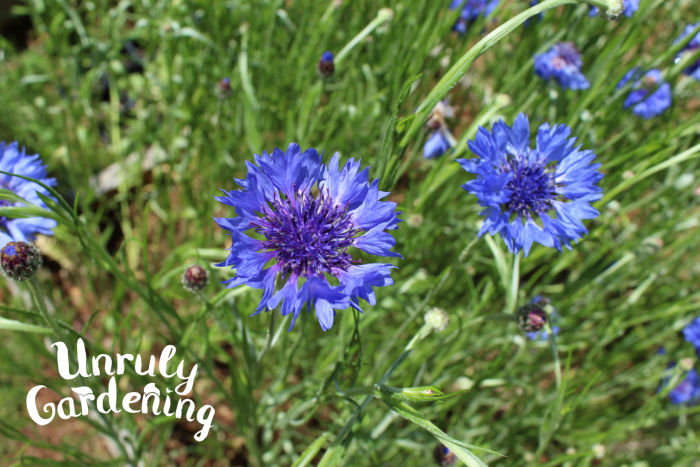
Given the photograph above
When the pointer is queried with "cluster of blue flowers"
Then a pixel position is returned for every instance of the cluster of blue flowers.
(688, 390)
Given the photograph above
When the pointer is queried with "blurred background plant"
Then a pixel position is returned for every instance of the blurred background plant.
(143, 110)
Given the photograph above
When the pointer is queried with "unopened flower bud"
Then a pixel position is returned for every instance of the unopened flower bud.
(531, 317)
(444, 457)
(20, 260)
(195, 278)
(326, 67)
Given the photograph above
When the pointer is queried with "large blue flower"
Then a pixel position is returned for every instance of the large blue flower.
(520, 186)
(630, 8)
(644, 102)
(563, 63)
(18, 162)
(694, 69)
(471, 10)
(298, 221)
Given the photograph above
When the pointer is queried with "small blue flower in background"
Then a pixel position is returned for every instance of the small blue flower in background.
(694, 69)
(441, 139)
(644, 103)
(630, 8)
(326, 66)
(305, 218)
(520, 186)
(471, 10)
(18, 162)
(436, 145)
(563, 63)
(687, 390)
(691, 333)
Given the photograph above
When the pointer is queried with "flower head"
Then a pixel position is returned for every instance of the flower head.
(650, 96)
(13, 160)
(520, 186)
(630, 7)
(225, 85)
(298, 224)
(563, 63)
(694, 69)
(471, 10)
(692, 333)
(326, 67)
(20, 260)
(195, 278)
(436, 145)
(687, 390)
(531, 318)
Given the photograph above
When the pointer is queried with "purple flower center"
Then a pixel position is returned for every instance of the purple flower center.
(532, 187)
(309, 234)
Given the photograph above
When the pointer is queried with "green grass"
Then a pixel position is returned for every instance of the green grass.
(114, 264)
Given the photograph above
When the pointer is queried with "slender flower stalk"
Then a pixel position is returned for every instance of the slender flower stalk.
(384, 15)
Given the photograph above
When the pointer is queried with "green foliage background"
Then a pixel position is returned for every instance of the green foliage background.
(114, 265)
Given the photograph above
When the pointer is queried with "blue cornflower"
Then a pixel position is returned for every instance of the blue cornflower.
(630, 8)
(520, 186)
(644, 103)
(436, 145)
(692, 333)
(687, 390)
(694, 69)
(471, 10)
(298, 222)
(563, 63)
(18, 162)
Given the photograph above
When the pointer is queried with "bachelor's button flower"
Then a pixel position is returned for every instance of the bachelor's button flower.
(630, 7)
(692, 333)
(471, 10)
(13, 160)
(649, 96)
(326, 66)
(436, 145)
(563, 63)
(687, 390)
(694, 69)
(520, 186)
(298, 222)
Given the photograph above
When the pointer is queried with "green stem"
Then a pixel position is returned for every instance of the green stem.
(555, 353)
(384, 15)
(455, 73)
(514, 285)
(38, 297)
